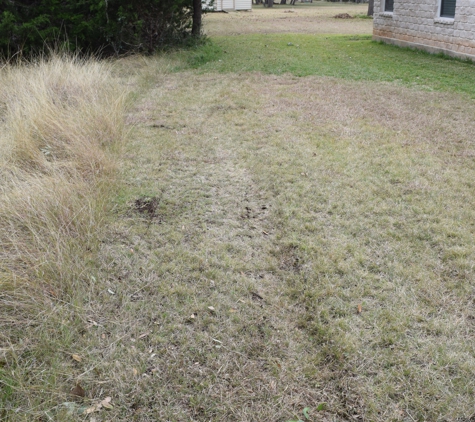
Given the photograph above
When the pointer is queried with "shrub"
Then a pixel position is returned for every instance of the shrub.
(106, 26)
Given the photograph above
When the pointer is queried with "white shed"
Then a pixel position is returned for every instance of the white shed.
(230, 4)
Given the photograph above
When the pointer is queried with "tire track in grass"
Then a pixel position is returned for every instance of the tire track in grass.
(200, 276)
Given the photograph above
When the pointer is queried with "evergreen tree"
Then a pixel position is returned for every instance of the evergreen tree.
(108, 26)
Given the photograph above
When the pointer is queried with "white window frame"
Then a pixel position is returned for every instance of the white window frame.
(442, 19)
(384, 12)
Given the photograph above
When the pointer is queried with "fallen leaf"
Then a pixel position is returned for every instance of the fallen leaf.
(71, 407)
(321, 406)
(233, 310)
(135, 372)
(359, 308)
(106, 403)
(77, 358)
(91, 409)
(78, 391)
(144, 335)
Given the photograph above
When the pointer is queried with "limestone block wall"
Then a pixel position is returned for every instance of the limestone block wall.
(417, 23)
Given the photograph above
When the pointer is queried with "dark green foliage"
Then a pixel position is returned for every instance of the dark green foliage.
(108, 26)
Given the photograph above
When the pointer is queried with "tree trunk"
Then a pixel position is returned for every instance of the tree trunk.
(196, 28)
(370, 7)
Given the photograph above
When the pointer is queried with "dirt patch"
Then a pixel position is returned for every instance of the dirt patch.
(343, 16)
(146, 205)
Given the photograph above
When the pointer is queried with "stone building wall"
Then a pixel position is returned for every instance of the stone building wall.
(417, 23)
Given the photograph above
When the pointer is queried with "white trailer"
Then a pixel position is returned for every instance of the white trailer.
(220, 5)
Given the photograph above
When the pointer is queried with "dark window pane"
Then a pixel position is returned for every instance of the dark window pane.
(389, 5)
(447, 9)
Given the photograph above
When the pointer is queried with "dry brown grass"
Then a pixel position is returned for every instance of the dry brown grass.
(317, 18)
(61, 119)
(284, 214)
(276, 243)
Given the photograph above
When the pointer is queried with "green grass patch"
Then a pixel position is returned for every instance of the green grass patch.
(345, 57)
(201, 55)
(6, 390)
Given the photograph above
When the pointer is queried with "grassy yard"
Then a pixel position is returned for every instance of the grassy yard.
(350, 57)
(291, 227)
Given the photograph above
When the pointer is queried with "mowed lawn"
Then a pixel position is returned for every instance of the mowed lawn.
(291, 237)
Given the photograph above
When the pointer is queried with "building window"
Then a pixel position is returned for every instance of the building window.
(447, 8)
(389, 5)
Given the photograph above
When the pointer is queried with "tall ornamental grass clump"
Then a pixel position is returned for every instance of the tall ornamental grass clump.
(61, 124)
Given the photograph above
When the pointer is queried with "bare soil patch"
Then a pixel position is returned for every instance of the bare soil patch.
(343, 16)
